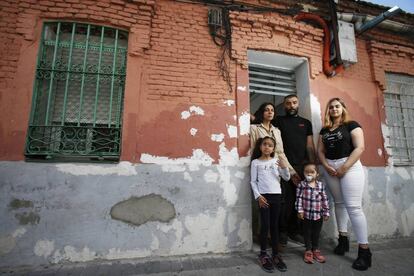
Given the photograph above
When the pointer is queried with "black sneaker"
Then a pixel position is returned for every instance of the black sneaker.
(266, 263)
(279, 263)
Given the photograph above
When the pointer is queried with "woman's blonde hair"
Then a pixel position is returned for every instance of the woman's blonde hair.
(345, 114)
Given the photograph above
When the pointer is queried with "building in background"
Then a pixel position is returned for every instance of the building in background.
(124, 124)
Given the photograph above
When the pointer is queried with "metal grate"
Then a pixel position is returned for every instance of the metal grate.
(78, 92)
(399, 109)
(271, 80)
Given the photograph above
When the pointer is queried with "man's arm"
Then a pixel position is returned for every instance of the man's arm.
(310, 148)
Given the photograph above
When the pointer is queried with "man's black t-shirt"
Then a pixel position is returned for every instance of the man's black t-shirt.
(294, 130)
(338, 142)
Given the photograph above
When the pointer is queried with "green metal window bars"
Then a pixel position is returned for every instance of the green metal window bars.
(78, 93)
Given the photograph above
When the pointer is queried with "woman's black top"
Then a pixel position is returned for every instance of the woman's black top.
(338, 142)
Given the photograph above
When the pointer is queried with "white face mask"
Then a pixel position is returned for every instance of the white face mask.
(309, 178)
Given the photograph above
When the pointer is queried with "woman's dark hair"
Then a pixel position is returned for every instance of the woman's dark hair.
(256, 152)
(258, 115)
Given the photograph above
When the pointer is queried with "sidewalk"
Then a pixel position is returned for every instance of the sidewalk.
(390, 257)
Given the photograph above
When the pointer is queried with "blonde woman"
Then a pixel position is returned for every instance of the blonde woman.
(340, 145)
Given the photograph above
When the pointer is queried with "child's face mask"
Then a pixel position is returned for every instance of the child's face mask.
(309, 178)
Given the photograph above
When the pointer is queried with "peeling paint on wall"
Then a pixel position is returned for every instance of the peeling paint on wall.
(122, 169)
(229, 102)
(217, 137)
(210, 176)
(194, 110)
(199, 157)
(229, 189)
(19, 232)
(193, 131)
(44, 248)
(379, 152)
(316, 116)
(242, 88)
(407, 221)
(240, 174)
(231, 157)
(232, 131)
(188, 177)
(140, 210)
(72, 255)
(387, 146)
(173, 168)
(185, 115)
(244, 123)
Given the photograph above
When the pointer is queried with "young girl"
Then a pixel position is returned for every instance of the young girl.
(265, 182)
(313, 207)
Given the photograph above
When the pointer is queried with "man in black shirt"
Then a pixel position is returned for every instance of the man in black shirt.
(299, 148)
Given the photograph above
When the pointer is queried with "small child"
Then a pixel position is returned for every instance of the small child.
(265, 181)
(313, 207)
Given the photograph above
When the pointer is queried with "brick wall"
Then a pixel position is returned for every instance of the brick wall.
(183, 58)
(274, 32)
(9, 43)
(390, 58)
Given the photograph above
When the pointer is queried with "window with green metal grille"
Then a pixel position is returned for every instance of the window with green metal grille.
(78, 93)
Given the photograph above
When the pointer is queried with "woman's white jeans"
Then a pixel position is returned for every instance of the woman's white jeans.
(347, 192)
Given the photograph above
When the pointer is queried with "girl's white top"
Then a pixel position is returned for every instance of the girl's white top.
(265, 177)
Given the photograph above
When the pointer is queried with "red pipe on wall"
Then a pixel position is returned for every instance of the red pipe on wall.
(328, 69)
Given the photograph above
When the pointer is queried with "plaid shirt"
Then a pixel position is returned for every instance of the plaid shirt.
(312, 202)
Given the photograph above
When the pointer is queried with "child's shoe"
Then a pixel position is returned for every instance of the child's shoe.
(308, 257)
(266, 263)
(318, 256)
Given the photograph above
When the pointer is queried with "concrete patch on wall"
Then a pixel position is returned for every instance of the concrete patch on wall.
(140, 210)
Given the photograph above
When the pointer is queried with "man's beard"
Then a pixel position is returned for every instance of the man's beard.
(291, 112)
